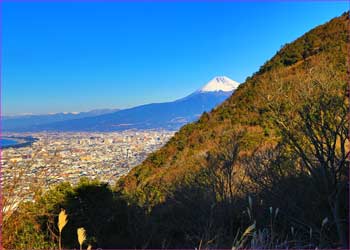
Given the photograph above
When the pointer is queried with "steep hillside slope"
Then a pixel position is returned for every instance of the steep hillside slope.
(278, 82)
(268, 169)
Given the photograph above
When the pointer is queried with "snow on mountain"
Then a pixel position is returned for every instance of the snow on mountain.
(167, 115)
(220, 83)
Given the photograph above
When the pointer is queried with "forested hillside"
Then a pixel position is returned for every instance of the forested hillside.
(266, 169)
(282, 83)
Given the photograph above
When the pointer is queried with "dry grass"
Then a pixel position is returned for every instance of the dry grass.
(62, 221)
(81, 236)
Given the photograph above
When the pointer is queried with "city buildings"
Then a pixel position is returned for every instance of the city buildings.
(58, 157)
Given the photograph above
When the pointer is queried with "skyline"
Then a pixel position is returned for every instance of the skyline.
(100, 56)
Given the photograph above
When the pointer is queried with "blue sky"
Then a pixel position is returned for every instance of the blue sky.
(78, 56)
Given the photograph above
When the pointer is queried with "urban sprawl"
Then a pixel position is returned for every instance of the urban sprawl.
(58, 157)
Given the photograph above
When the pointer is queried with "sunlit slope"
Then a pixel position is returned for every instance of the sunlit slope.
(294, 67)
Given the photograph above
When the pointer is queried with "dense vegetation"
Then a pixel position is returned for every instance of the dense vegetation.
(268, 168)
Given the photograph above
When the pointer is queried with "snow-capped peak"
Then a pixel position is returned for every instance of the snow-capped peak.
(220, 83)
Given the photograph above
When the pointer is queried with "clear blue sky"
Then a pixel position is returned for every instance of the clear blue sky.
(87, 55)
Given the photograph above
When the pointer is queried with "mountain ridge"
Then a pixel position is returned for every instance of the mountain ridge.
(266, 169)
(246, 111)
(167, 115)
(18, 122)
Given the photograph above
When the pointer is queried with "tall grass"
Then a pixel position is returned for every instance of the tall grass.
(81, 236)
(62, 221)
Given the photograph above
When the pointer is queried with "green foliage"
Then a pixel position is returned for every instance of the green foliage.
(321, 52)
(285, 74)
(271, 141)
(28, 236)
(322, 38)
(89, 204)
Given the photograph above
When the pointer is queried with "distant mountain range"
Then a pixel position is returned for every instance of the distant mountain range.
(29, 122)
(168, 115)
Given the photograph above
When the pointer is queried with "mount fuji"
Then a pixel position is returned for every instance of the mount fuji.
(167, 115)
(218, 84)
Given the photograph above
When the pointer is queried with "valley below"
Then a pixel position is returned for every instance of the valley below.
(261, 164)
(67, 157)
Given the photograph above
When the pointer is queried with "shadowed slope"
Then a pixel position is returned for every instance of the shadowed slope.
(280, 79)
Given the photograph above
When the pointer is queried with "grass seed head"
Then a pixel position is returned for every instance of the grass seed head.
(62, 220)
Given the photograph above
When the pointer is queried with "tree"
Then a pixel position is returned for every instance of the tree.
(316, 128)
